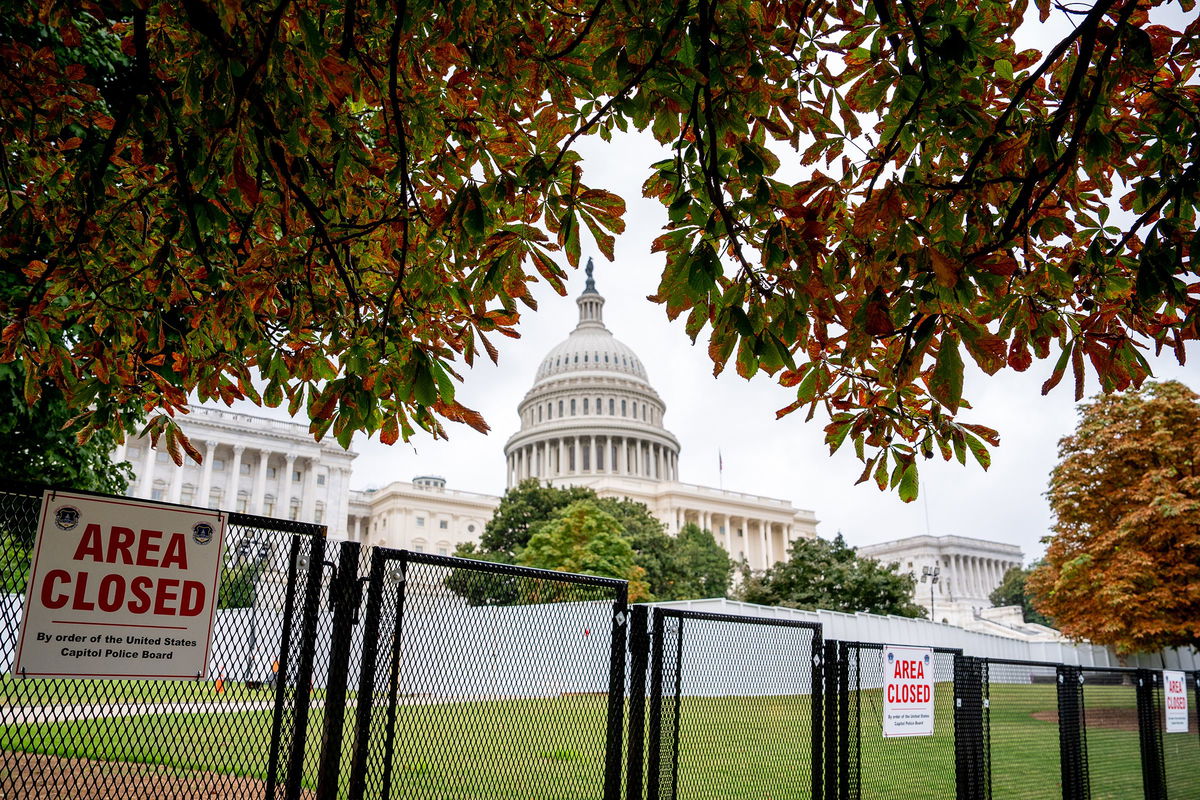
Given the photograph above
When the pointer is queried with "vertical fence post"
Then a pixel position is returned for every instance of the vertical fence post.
(366, 678)
(393, 686)
(829, 696)
(616, 697)
(304, 671)
(343, 593)
(817, 698)
(639, 654)
(1071, 747)
(969, 752)
(1150, 735)
(284, 657)
(654, 729)
(846, 789)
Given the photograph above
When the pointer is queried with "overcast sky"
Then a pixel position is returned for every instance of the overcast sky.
(728, 415)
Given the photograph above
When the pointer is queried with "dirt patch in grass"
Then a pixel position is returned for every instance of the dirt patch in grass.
(1116, 719)
(40, 777)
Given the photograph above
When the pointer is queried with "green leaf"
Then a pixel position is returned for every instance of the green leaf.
(1004, 69)
(946, 382)
(909, 485)
(978, 449)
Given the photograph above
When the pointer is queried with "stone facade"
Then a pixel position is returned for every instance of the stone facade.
(969, 571)
(252, 465)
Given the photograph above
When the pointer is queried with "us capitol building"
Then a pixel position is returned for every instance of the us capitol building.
(592, 418)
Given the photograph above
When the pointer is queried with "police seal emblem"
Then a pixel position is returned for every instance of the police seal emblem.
(202, 533)
(66, 517)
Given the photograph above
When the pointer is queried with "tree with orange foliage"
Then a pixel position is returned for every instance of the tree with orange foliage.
(338, 206)
(1123, 565)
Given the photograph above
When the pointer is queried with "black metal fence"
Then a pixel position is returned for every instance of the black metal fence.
(343, 671)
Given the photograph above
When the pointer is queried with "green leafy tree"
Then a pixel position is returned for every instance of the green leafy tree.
(328, 204)
(1122, 567)
(702, 568)
(823, 574)
(1012, 592)
(522, 509)
(583, 539)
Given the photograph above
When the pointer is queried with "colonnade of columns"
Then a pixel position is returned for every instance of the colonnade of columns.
(234, 482)
(761, 541)
(977, 576)
(599, 454)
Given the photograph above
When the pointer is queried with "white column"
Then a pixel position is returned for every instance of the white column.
(285, 487)
(308, 503)
(235, 477)
(768, 544)
(146, 484)
(177, 481)
(578, 450)
(260, 483)
(358, 529)
(210, 452)
(119, 453)
(624, 470)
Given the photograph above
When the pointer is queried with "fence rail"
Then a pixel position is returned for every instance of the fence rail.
(344, 671)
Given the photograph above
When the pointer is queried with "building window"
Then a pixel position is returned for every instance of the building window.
(294, 510)
(272, 472)
(219, 464)
(585, 405)
(585, 360)
(587, 458)
(269, 506)
(443, 551)
(539, 413)
(187, 494)
(214, 498)
(560, 408)
(572, 407)
(599, 406)
(243, 502)
(162, 458)
(418, 545)
(612, 406)
(624, 412)
(295, 476)
(420, 522)
(159, 490)
(443, 524)
(320, 480)
(470, 529)
(320, 513)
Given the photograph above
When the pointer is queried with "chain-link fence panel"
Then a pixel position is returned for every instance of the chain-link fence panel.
(1022, 715)
(1110, 713)
(734, 707)
(224, 734)
(482, 681)
(872, 766)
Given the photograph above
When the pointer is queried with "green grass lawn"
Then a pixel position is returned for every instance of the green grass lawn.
(553, 748)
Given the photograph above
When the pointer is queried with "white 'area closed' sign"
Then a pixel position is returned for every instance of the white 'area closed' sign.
(907, 691)
(120, 588)
(1175, 701)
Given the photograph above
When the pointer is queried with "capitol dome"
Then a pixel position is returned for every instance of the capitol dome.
(591, 410)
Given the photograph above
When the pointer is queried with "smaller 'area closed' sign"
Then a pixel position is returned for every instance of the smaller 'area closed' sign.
(1175, 700)
(120, 588)
(907, 691)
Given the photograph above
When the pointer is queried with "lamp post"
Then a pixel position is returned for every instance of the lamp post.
(931, 574)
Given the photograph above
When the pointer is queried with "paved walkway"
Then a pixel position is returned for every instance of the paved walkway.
(18, 714)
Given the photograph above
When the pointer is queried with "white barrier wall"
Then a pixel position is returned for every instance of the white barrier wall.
(862, 627)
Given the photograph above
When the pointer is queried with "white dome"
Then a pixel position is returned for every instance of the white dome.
(591, 349)
(591, 410)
